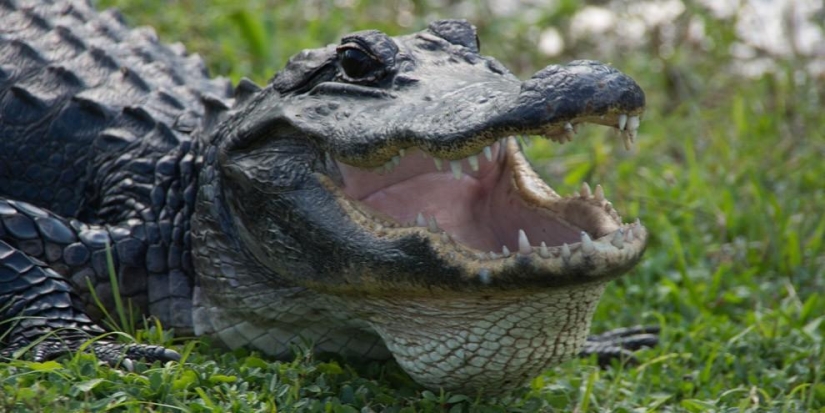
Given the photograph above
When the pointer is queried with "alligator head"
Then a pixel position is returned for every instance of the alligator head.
(383, 174)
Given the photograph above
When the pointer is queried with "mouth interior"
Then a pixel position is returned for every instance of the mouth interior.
(485, 208)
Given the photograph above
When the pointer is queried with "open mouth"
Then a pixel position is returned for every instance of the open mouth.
(491, 205)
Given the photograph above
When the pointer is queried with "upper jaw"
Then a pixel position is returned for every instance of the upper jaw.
(452, 117)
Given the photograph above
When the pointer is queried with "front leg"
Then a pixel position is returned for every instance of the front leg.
(41, 312)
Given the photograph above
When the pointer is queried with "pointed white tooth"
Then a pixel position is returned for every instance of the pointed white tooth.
(569, 133)
(494, 256)
(488, 153)
(618, 239)
(637, 222)
(396, 160)
(543, 251)
(439, 164)
(587, 244)
(524, 247)
(420, 221)
(622, 121)
(473, 161)
(455, 166)
(599, 194)
(433, 225)
(565, 251)
(484, 276)
(482, 256)
(445, 238)
(505, 251)
(633, 123)
(585, 190)
(402, 152)
(629, 236)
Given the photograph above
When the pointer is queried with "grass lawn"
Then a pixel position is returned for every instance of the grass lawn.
(728, 174)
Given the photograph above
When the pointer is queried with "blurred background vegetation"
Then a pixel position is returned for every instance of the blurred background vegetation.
(727, 174)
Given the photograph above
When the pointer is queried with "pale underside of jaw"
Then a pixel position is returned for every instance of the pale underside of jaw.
(492, 204)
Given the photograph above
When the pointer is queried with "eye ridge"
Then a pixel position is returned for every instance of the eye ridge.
(358, 64)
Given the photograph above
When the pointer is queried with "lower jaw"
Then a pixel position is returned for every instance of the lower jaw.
(483, 344)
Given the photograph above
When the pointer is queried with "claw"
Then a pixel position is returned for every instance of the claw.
(620, 344)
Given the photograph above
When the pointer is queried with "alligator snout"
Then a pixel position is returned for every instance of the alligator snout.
(582, 89)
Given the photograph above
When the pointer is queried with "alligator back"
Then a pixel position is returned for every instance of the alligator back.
(88, 105)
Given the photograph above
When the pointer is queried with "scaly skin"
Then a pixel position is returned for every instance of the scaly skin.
(313, 209)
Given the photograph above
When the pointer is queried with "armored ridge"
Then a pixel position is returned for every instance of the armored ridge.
(370, 199)
(97, 123)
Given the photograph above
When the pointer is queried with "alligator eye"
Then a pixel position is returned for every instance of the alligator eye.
(356, 63)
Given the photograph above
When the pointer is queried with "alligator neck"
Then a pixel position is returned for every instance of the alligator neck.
(146, 199)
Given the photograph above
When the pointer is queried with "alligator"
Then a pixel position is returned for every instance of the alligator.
(372, 199)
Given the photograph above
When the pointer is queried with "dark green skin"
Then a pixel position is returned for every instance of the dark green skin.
(128, 143)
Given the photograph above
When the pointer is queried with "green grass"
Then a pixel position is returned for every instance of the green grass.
(728, 176)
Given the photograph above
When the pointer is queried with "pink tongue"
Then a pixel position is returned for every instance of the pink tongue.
(461, 207)
(480, 210)
(456, 205)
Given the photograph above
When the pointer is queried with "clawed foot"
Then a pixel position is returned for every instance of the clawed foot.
(620, 344)
(115, 354)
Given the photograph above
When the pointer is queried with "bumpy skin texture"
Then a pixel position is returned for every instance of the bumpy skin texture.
(216, 207)
(96, 125)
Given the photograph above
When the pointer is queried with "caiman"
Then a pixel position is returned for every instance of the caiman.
(372, 199)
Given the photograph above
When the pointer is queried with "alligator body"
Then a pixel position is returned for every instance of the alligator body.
(371, 199)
